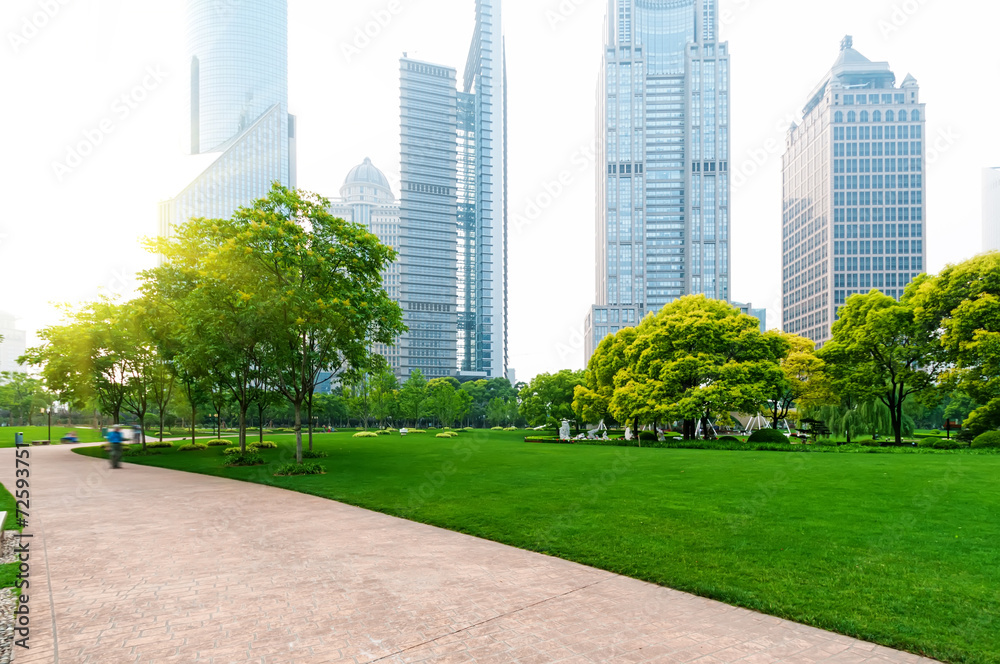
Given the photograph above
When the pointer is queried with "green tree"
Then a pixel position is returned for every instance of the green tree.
(695, 358)
(446, 403)
(23, 396)
(385, 398)
(802, 381)
(879, 351)
(413, 397)
(961, 308)
(81, 360)
(548, 398)
(592, 399)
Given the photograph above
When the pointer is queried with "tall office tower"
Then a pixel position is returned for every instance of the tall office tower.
(663, 161)
(238, 104)
(991, 209)
(13, 345)
(853, 180)
(453, 210)
(366, 198)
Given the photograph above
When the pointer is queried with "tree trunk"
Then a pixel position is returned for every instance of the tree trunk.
(260, 421)
(161, 425)
(243, 429)
(194, 416)
(309, 407)
(298, 432)
(947, 429)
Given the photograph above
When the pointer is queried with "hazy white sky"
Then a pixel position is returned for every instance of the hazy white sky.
(110, 72)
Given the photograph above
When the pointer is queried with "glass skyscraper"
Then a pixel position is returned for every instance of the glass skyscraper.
(663, 161)
(854, 183)
(453, 210)
(238, 107)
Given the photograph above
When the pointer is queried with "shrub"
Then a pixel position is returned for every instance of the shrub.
(251, 447)
(306, 454)
(415, 431)
(251, 458)
(446, 429)
(383, 433)
(647, 436)
(468, 429)
(365, 434)
(265, 445)
(944, 444)
(511, 429)
(497, 429)
(988, 440)
(391, 430)
(935, 432)
(767, 436)
(729, 439)
(447, 434)
(218, 442)
(192, 447)
(290, 469)
(157, 445)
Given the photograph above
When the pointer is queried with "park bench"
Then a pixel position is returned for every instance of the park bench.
(3, 533)
(39, 442)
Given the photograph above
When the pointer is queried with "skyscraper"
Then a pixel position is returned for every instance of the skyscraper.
(663, 161)
(238, 106)
(991, 209)
(453, 210)
(366, 198)
(854, 181)
(13, 344)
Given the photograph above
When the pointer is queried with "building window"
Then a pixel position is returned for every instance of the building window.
(851, 116)
(838, 116)
(890, 116)
(864, 116)
(902, 116)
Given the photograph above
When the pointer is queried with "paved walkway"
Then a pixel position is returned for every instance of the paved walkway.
(144, 565)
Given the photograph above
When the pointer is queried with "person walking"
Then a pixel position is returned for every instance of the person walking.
(115, 440)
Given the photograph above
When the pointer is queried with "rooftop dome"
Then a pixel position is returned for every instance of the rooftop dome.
(366, 173)
(367, 185)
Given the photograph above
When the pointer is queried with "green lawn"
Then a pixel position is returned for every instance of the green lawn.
(900, 549)
(42, 433)
(8, 572)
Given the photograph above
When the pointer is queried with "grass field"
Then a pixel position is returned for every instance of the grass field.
(42, 433)
(8, 572)
(896, 549)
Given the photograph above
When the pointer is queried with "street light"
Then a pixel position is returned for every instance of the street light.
(49, 412)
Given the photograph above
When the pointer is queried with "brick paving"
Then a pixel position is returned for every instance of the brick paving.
(145, 566)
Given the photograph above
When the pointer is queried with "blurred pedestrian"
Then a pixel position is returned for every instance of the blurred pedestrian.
(115, 440)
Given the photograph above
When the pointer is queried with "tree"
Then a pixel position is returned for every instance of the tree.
(22, 395)
(548, 398)
(289, 289)
(880, 351)
(385, 398)
(961, 309)
(694, 358)
(81, 359)
(802, 381)
(358, 393)
(593, 399)
(413, 397)
(445, 402)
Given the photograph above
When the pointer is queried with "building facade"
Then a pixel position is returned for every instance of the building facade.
(13, 345)
(854, 184)
(238, 107)
(366, 198)
(663, 185)
(991, 209)
(453, 210)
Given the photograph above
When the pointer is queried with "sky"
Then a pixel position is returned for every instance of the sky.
(93, 119)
